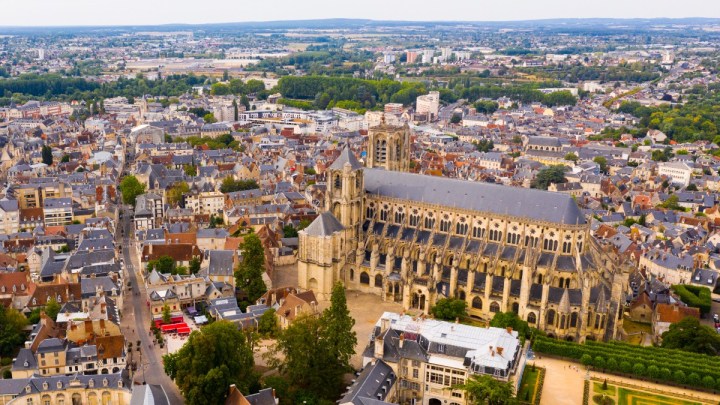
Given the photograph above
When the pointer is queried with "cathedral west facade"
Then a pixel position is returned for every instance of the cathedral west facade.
(415, 239)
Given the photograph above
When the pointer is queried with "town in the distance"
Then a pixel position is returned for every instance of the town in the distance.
(361, 212)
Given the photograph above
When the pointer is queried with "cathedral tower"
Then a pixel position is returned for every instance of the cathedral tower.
(389, 147)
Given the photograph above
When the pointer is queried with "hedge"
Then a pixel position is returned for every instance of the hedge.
(674, 366)
(694, 296)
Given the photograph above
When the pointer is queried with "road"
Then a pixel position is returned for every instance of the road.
(136, 321)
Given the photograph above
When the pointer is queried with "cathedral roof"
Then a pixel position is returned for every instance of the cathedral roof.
(324, 225)
(346, 156)
(484, 197)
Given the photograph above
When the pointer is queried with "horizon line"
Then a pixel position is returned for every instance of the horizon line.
(349, 19)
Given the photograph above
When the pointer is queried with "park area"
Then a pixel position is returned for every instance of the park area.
(531, 384)
(615, 393)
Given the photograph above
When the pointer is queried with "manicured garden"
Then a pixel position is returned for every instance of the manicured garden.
(602, 393)
(531, 385)
(654, 363)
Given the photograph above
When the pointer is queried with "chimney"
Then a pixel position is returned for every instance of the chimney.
(402, 340)
(384, 324)
(379, 347)
(500, 350)
(509, 330)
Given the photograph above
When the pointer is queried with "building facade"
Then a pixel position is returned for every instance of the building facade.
(415, 239)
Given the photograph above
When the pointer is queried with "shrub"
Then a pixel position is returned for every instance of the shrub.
(626, 367)
(665, 374)
(639, 369)
(599, 362)
(679, 376)
(586, 359)
(708, 382)
(693, 379)
(612, 364)
(694, 296)
(653, 371)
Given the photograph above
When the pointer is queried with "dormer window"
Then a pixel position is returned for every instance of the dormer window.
(91, 383)
(28, 389)
(59, 385)
(45, 385)
(105, 382)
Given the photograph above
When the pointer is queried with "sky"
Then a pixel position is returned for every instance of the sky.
(149, 12)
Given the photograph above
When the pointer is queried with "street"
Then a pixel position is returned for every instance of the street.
(136, 320)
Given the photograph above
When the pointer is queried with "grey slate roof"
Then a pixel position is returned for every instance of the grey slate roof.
(346, 156)
(324, 225)
(483, 197)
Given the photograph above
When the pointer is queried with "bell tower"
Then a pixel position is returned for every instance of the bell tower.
(345, 191)
(389, 147)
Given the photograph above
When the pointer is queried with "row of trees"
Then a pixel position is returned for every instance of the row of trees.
(654, 362)
(55, 86)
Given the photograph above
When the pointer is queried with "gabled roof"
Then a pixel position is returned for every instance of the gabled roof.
(324, 225)
(346, 156)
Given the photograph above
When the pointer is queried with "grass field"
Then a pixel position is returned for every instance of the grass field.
(528, 383)
(629, 396)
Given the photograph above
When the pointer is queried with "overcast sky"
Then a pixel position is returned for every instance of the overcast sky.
(124, 12)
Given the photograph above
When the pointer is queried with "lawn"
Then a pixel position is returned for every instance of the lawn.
(628, 396)
(633, 330)
(528, 384)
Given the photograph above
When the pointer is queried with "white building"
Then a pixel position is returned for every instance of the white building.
(678, 172)
(58, 211)
(428, 104)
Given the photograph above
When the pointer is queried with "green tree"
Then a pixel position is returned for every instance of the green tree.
(289, 231)
(484, 145)
(300, 354)
(245, 102)
(485, 390)
(130, 188)
(571, 157)
(194, 265)
(549, 175)
(268, 323)
(52, 309)
(65, 159)
(671, 203)
(602, 162)
(212, 359)
(176, 192)
(340, 339)
(230, 185)
(190, 170)
(47, 156)
(455, 119)
(249, 273)
(512, 320)
(166, 315)
(209, 118)
(12, 325)
(689, 335)
(236, 113)
(449, 309)
(163, 264)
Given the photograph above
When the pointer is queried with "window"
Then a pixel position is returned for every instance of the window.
(399, 217)
(441, 348)
(429, 223)
(338, 182)
(531, 318)
(364, 278)
(494, 307)
(414, 220)
(445, 225)
(477, 303)
(416, 373)
(478, 231)
(384, 214)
